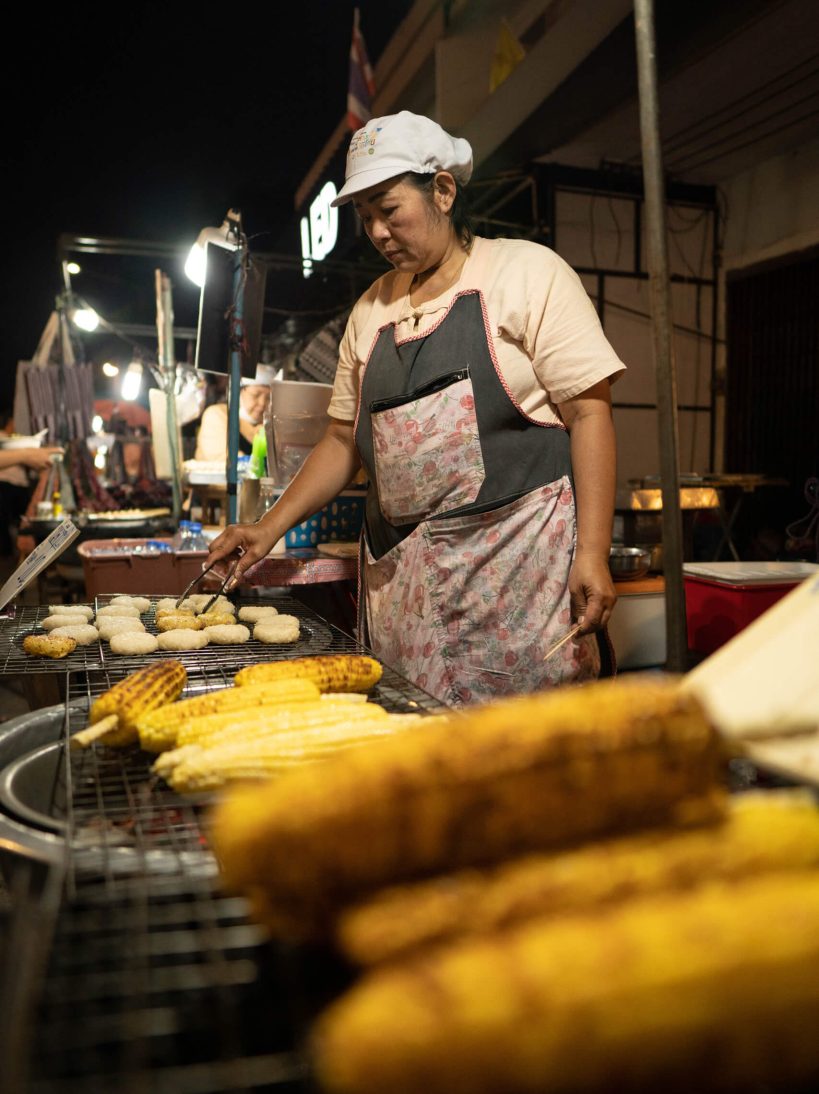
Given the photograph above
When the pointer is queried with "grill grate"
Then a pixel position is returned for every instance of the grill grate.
(157, 980)
(166, 986)
(316, 637)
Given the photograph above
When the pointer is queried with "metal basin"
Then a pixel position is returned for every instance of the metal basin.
(30, 788)
(19, 737)
(629, 562)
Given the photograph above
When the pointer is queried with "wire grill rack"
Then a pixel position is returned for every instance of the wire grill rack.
(157, 980)
(316, 637)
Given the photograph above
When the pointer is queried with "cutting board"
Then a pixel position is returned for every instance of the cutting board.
(762, 687)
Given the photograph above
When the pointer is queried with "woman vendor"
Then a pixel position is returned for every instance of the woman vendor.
(473, 386)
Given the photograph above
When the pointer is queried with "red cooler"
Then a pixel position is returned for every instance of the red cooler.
(721, 598)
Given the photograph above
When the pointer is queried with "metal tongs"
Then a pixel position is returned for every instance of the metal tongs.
(218, 592)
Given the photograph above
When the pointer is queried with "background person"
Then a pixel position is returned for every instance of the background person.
(473, 385)
(15, 487)
(211, 440)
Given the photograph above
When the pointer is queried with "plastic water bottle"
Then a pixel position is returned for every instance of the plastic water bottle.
(196, 540)
(181, 539)
(267, 497)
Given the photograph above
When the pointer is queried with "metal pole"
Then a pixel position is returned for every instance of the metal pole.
(675, 626)
(167, 366)
(232, 467)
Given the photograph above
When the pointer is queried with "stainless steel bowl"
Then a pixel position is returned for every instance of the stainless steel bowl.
(629, 562)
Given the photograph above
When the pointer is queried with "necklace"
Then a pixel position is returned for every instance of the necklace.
(438, 281)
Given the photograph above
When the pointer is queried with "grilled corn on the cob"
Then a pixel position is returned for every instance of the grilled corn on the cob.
(715, 989)
(210, 767)
(330, 672)
(763, 832)
(244, 725)
(144, 690)
(158, 728)
(509, 777)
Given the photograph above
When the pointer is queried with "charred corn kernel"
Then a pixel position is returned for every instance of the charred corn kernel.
(509, 777)
(151, 687)
(762, 833)
(158, 728)
(331, 672)
(715, 989)
(201, 768)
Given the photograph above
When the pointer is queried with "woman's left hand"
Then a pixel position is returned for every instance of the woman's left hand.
(592, 592)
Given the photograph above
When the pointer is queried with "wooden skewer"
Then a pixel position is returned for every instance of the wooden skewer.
(561, 641)
(100, 729)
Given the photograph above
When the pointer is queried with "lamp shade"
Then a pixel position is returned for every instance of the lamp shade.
(223, 237)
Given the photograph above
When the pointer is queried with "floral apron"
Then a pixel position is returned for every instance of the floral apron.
(470, 519)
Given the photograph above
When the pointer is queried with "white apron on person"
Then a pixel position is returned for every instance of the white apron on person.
(469, 532)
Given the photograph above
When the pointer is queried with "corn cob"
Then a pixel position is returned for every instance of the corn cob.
(165, 762)
(250, 729)
(158, 728)
(310, 723)
(333, 672)
(210, 767)
(762, 833)
(143, 690)
(716, 989)
(298, 716)
(506, 778)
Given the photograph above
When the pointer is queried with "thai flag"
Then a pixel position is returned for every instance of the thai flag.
(362, 85)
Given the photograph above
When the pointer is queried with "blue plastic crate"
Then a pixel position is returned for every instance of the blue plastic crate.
(340, 521)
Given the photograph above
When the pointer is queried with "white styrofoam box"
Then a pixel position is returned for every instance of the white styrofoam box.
(637, 630)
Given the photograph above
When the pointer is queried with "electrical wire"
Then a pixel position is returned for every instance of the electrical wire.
(737, 109)
(648, 318)
(335, 310)
(619, 230)
(804, 533)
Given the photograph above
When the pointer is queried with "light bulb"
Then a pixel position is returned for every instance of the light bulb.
(73, 267)
(96, 423)
(86, 319)
(195, 265)
(131, 382)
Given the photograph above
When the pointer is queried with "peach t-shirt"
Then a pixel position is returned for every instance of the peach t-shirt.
(546, 335)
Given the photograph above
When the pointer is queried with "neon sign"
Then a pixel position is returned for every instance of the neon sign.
(319, 230)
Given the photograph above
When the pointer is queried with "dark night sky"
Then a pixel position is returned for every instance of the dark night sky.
(150, 124)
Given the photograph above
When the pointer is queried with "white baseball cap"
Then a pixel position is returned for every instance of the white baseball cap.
(265, 374)
(397, 143)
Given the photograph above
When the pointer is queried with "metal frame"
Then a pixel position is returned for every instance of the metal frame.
(650, 194)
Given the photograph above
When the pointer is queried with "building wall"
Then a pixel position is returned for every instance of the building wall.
(768, 211)
(598, 232)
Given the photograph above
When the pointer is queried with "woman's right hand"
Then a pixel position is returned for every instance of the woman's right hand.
(249, 543)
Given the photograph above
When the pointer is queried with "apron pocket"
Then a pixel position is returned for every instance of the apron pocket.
(427, 450)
